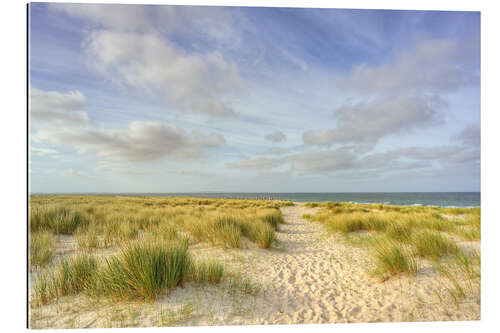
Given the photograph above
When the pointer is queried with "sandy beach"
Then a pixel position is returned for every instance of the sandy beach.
(309, 277)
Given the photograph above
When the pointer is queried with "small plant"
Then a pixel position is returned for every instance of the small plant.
(42, 248)
(143, 270)
(400, 232)
(87, 238)
(59, 220)
(207, 271)
(393, 259)
(70, 277)
(239, 284)
(263, 235)
(273, 218)
(228, 232)
(433, 245)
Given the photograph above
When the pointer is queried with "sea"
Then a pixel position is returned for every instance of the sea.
(440, 199)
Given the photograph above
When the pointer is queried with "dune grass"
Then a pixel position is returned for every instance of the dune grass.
(70, 277)
(393, 258)
(41, 248)
(104, 221)
(58, 220)
(87, 238)
(409, 233)
(433, 245)
(206, 271)
(144, 270)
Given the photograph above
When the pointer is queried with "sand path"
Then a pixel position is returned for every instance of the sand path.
(317, 278)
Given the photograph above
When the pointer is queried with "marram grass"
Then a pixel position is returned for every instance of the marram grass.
(41, 248)
(143, 270)
(410, 233)
(392, 258)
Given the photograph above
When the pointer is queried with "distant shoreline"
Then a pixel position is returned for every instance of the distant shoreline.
(426, 199)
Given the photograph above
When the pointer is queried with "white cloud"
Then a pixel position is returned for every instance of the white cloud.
(276, 136)
(194, 82)
(216, 23)
(400, 96)
(57, 108)
(256, 163)
(430, 66)
(348, 160)
(122, 17)
(139, 142)
(369, 121)
(276, 151)
(470, 135)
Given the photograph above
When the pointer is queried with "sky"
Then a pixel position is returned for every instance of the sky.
(135, 98)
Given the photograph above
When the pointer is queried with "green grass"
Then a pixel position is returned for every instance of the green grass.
(227, 232)
(58, 220)
(399, 231)
(143, 270)
(463, 273)
(263, 235)
(433, 245)
(239, 284)
(42, 248)
(273, 218)
(425, 231)
(393, 259)
(70, 277)
(103, 221)
(206, 271)
(87, 239)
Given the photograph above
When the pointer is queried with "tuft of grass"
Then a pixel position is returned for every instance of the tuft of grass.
(87, 238)
(433, 245)
(42, 248)
(227, 231)
(273, 218)
(240, 284)
(399, 231)
(166, 232)
(59, 220)
(70, 277)
(207, 271)
(463, 273)
(117, 232)
(393, 259)
(472, 228)
(263, 235)
(143, 270)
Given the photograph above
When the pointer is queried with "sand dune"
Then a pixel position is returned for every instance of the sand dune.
(309, 277)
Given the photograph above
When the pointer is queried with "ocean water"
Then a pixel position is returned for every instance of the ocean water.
(442, 199)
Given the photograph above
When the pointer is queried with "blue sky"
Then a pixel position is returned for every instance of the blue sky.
(131, 98)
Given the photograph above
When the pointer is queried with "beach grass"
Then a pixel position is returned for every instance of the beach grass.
(434, 245)
(58, 220)
(392, 258)
(410, 233)
(70, 277)
(143, 270)
(42, 247)
(206, 271)
(138, 250)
